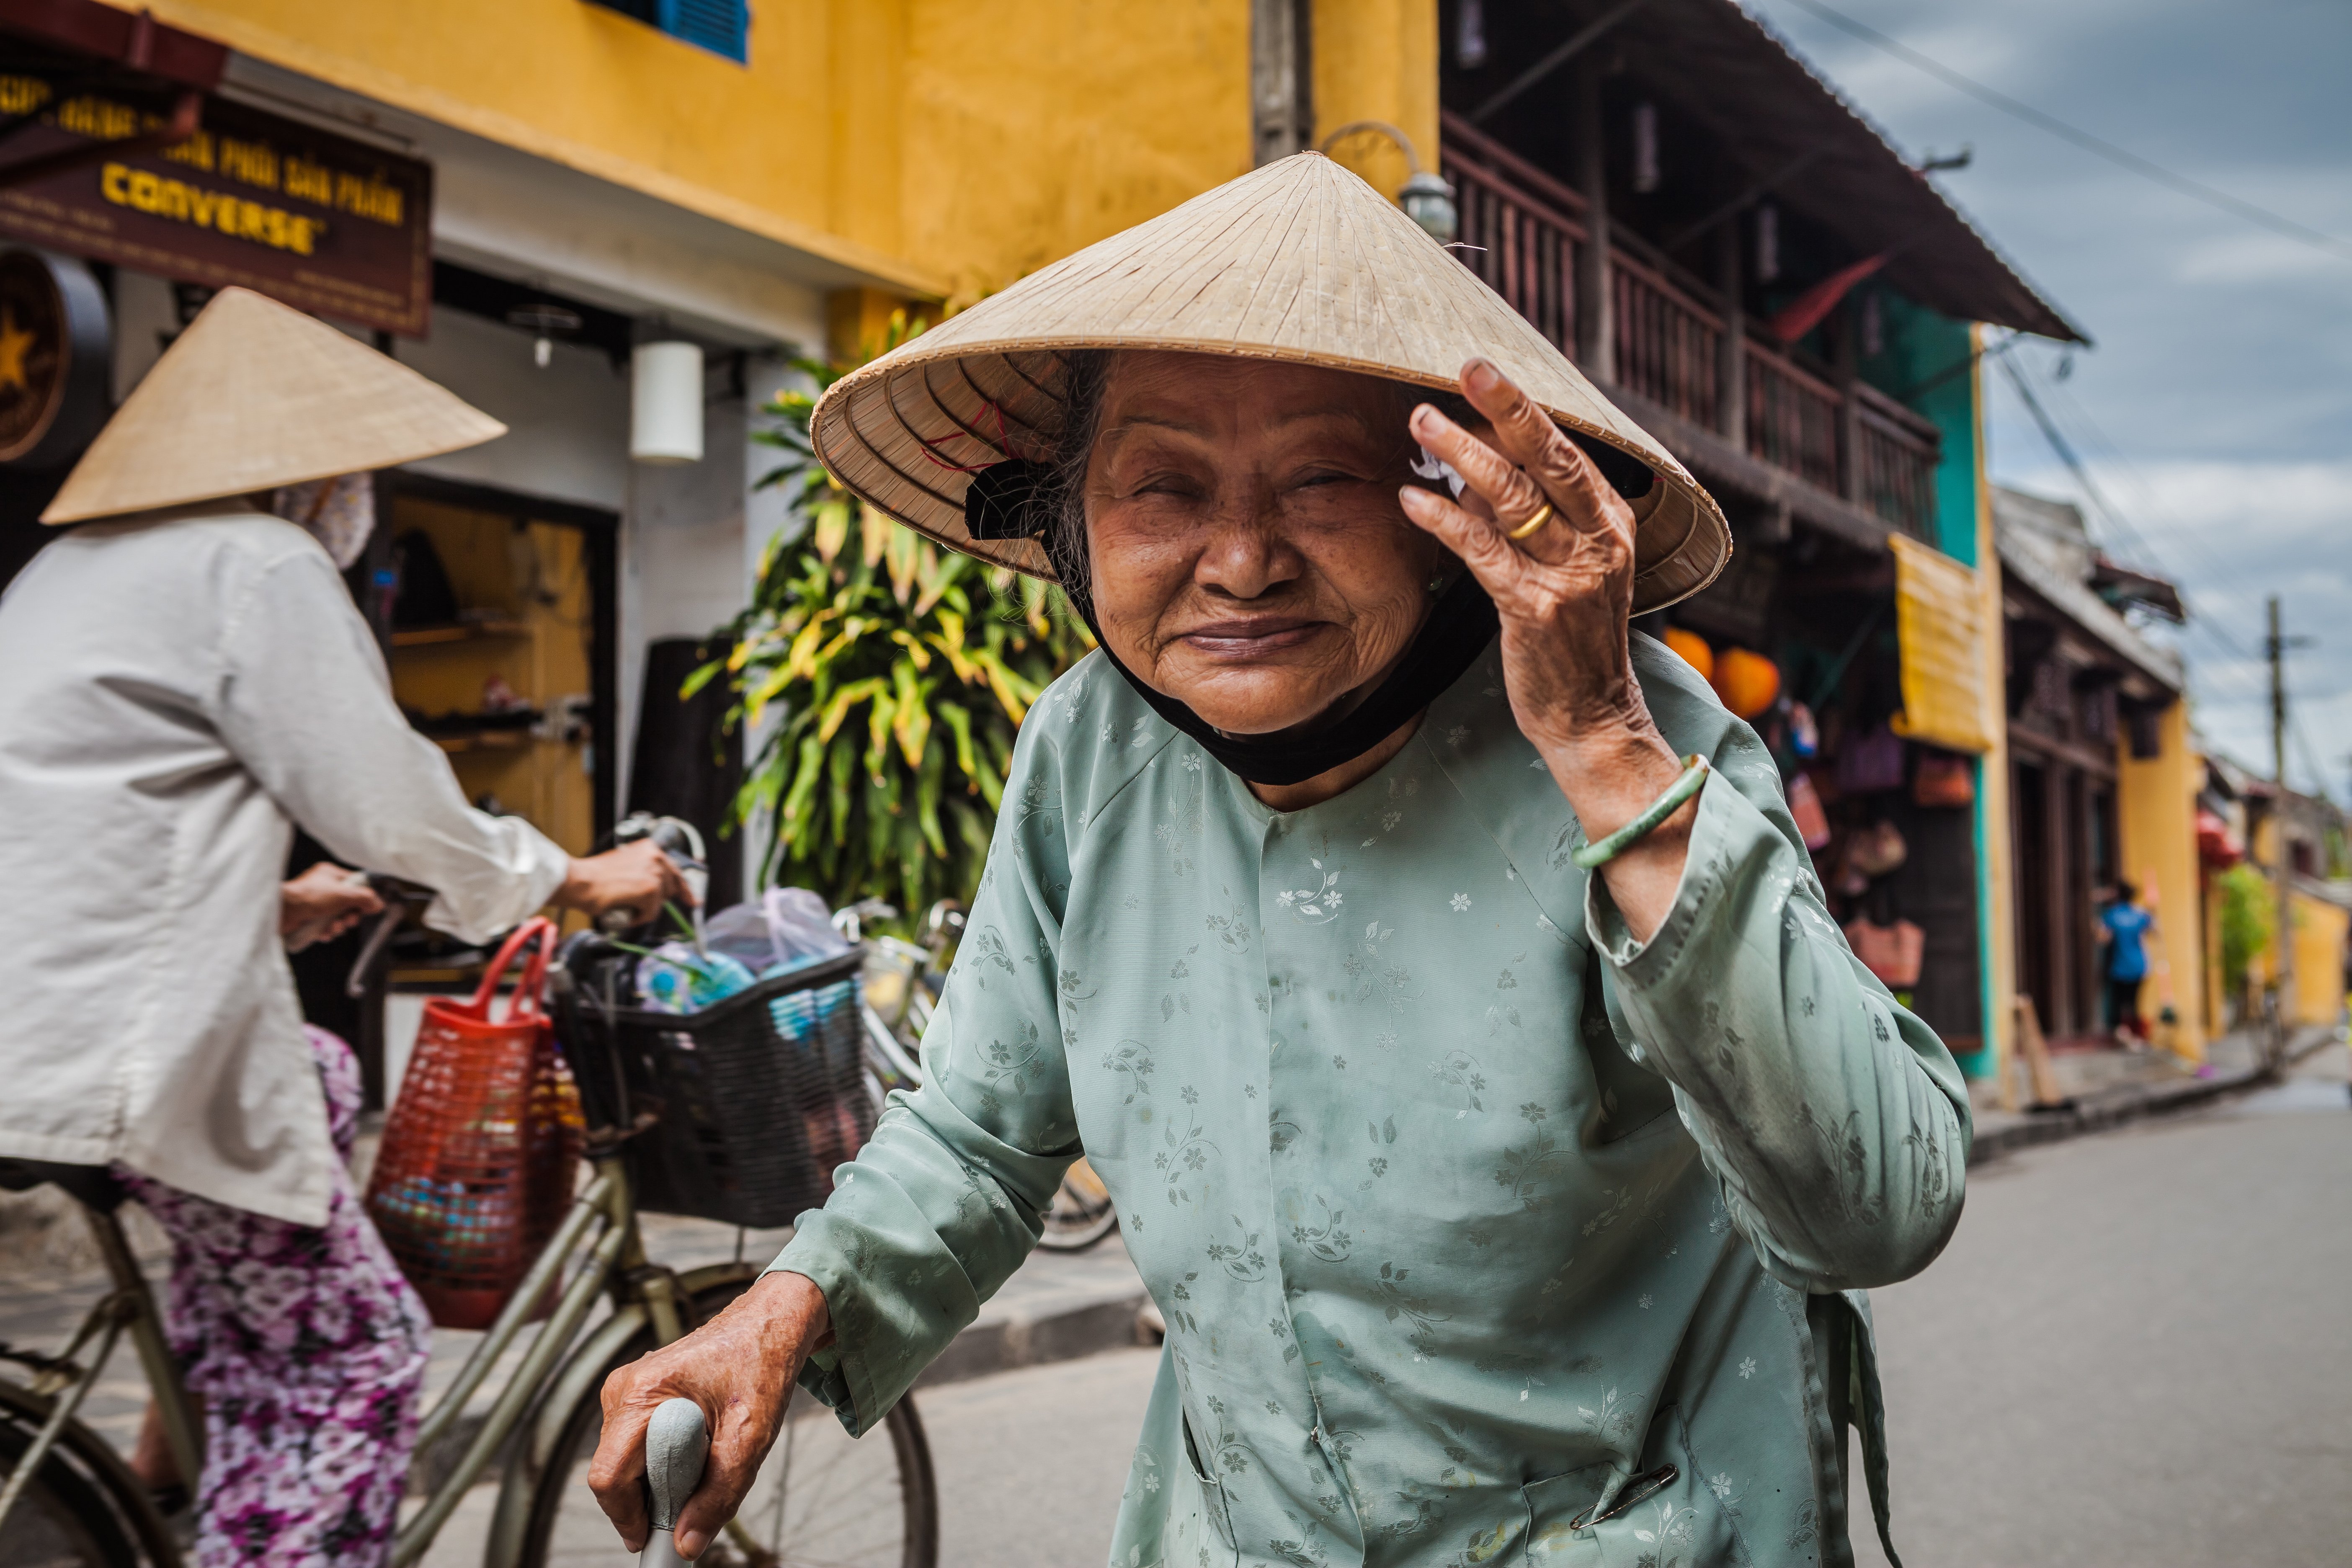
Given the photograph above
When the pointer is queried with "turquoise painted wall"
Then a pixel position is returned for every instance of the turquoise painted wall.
(1923, 362)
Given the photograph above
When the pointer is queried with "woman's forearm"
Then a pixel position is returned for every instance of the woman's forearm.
(1611, 778)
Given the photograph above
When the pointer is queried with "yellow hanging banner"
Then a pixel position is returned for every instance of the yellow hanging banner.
(1939, 623)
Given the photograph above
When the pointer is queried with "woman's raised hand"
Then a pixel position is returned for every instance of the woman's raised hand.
(739, 1367)
(1564, 591)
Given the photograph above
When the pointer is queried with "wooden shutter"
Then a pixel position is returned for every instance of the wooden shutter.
(719, 25)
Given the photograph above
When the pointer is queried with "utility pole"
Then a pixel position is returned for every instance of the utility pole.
(2283, 934)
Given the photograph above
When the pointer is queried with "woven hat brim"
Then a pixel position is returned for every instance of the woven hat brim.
(1299, 261)
(254, 395)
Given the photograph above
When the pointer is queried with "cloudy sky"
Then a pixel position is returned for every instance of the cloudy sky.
(2215, 411)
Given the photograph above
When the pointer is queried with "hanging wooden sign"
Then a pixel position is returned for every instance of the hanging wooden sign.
(53, 342)
(326, 223)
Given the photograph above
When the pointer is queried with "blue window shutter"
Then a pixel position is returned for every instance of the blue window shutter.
(719, 26)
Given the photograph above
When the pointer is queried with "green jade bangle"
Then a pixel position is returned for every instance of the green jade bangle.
(1593, 856)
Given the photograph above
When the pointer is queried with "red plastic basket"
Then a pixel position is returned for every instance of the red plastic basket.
(482, 1148)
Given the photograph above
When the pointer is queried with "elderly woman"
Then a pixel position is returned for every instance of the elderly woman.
(1430, 970)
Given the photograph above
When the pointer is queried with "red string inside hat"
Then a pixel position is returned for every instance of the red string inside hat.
(1005, 445)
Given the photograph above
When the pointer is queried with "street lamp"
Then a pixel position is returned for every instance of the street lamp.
(1426, 198)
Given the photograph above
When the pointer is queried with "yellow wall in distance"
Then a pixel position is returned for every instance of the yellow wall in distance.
(1377, 59)
(944, 147)
(2156, 816)
(2320, 930)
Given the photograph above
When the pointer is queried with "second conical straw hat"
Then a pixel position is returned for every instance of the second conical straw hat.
(254, 395)
(1300, 261)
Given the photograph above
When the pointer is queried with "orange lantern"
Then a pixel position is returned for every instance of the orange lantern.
(1747, 682)
(1694, 650)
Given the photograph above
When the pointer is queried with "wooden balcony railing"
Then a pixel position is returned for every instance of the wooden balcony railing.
(1523, 232)
(1793, 418)
(1895, 456)
(1668, 345)
(1523, 249)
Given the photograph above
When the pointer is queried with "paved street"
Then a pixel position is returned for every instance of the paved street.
(2137, 1350)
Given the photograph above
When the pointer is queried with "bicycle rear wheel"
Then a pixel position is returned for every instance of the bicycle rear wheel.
(822, 1501)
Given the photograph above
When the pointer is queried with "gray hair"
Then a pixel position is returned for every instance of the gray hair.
(1089, 373)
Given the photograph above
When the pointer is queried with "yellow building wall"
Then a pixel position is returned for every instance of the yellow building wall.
(2320, 930)
(943, 147)
(2156, 818)
(1377, 59)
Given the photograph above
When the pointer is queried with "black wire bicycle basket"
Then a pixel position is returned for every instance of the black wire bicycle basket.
(737, 1113)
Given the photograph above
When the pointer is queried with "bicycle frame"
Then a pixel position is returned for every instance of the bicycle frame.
(615, 1249)
(128, 1308)
(600, 1233)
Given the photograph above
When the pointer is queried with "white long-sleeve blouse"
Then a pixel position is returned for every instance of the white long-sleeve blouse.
(177, 692)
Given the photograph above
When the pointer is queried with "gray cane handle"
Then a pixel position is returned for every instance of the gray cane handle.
(676, 1444)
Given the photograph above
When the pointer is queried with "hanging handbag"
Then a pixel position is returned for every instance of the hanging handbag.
(482, 1148)
(1877, 850)
(1805, 806)
(1944, 780)
(1894, 953)
(1868, 763)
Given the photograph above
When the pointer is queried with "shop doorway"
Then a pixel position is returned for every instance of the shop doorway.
(499, 629)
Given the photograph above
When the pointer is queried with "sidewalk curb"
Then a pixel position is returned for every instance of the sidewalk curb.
(1066, 1333)
(2116, 1108)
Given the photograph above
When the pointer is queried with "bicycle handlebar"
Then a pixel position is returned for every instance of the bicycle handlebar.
(676, 1444)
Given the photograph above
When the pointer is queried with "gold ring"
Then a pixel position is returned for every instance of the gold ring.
(1527, 529)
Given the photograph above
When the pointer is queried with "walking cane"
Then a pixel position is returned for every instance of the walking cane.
(676, 1443)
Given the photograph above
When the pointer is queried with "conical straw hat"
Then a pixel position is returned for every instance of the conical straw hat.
(254, 395)
(1300, 260)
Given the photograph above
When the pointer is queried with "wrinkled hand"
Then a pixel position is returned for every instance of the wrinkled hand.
(323, 903)
(637, 878)
(1564, 595)
(740, 1368)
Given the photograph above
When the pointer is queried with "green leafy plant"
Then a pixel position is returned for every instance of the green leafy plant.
(901, 671)
(2247, 917)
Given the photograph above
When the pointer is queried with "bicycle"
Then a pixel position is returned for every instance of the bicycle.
(67, 1498)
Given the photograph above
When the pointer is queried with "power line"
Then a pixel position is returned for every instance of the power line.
(2073, 461)
(2067, 404)
(2021, 377)
(2197, 189)
(2198, 622)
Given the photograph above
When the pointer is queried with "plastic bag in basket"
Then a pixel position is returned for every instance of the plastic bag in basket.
(482, 1148)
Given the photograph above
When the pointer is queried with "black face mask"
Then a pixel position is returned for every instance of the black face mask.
(1012, 501)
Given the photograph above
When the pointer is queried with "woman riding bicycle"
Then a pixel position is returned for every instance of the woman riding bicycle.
(183, 680)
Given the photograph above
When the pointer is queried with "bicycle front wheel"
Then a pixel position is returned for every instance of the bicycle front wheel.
(1082, 1213)
(822, 1499)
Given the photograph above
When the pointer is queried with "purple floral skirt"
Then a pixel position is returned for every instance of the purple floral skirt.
(307, 1349)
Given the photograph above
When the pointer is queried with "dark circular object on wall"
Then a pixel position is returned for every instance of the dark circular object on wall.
(54, 337)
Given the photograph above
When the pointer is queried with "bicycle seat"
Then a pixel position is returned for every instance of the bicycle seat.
(93, 1185)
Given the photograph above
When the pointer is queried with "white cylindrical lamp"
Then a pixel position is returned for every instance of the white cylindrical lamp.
(666, 402)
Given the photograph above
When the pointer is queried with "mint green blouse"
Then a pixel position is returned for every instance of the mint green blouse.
(1483, 1233)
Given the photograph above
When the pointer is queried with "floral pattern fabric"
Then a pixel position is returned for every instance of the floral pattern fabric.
(307, 1348)
(1483, 1233)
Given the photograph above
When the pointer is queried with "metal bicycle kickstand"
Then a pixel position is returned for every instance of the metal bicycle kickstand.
(676, 1443)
